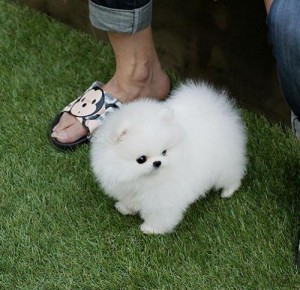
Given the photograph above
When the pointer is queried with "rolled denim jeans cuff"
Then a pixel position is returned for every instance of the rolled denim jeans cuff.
(118, 20)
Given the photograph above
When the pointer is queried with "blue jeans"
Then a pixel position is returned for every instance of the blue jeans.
(122, 16)
(284, 35)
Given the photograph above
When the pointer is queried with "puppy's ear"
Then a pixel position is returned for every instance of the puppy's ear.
(120, 133)
(166, 114)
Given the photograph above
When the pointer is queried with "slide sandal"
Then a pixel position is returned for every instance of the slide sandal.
(90, 110)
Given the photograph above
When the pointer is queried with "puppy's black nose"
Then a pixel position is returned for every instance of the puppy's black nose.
(156, 164)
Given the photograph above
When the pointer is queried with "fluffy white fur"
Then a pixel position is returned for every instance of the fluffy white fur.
(196, 136)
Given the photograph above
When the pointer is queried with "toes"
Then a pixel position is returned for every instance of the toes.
(65, 121)
(69, 133)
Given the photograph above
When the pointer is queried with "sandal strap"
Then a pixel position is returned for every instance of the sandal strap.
(92, 107)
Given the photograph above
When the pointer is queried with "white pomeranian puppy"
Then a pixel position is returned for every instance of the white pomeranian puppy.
(156, 158)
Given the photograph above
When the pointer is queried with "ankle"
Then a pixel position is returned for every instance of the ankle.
(143, 81)
(137, 72)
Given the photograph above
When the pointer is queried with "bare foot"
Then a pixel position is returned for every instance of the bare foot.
(138, 74)
(69, 129)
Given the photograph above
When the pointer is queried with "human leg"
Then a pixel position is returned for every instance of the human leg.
(284, 35)
(268, 4)
(138, 69)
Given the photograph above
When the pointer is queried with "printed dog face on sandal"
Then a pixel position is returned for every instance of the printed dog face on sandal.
(90, 103)
(156, 158)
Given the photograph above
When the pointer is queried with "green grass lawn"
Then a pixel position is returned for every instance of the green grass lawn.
(59, 231)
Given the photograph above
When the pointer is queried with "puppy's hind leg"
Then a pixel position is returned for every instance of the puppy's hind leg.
(228, 191)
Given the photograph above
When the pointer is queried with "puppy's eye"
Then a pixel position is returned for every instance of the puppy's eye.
(164, 153)
(141, 159)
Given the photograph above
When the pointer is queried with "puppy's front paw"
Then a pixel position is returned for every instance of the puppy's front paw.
(146, 229)
(150, 230)
(123, 209)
